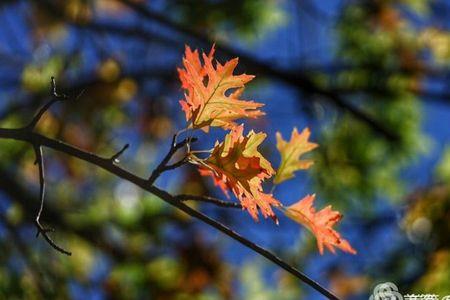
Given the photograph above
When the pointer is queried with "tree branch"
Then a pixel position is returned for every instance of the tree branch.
(105, 163)
(41, 229)
(162, 167)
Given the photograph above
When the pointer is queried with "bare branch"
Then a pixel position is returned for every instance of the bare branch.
(40, 162)
(43, 231)
(56, 98)
(174, 147)
(40, 229)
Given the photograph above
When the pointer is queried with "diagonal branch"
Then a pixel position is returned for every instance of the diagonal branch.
(106, 164)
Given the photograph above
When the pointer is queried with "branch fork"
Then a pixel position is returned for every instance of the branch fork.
(164, 164)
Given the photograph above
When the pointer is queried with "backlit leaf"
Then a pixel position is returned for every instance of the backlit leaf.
(237, 165)
(291, 152)
(320, 223)
(212, 92)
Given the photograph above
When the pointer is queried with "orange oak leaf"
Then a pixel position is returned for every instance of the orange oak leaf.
(320, 224)
(291, 152)
(237, 165)
(212, 92)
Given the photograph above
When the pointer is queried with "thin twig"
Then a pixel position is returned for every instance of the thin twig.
(212, 200)
(40, 229)
(176, 165)
(115, 157)
(40, 162)
(162, 167)
(105, 163)
(56, 98)
(177, 134)
(40, 113)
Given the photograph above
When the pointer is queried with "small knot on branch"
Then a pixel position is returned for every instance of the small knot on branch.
(115, 157)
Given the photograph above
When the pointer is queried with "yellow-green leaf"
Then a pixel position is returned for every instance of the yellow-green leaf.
(291, 152)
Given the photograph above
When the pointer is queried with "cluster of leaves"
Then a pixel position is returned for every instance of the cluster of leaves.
(212, 99)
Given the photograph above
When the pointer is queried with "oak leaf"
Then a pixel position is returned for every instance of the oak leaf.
(212, 92)
(237, 165)
(291, 152)
(320, 223)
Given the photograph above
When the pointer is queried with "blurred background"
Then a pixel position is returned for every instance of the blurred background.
(369, 78)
